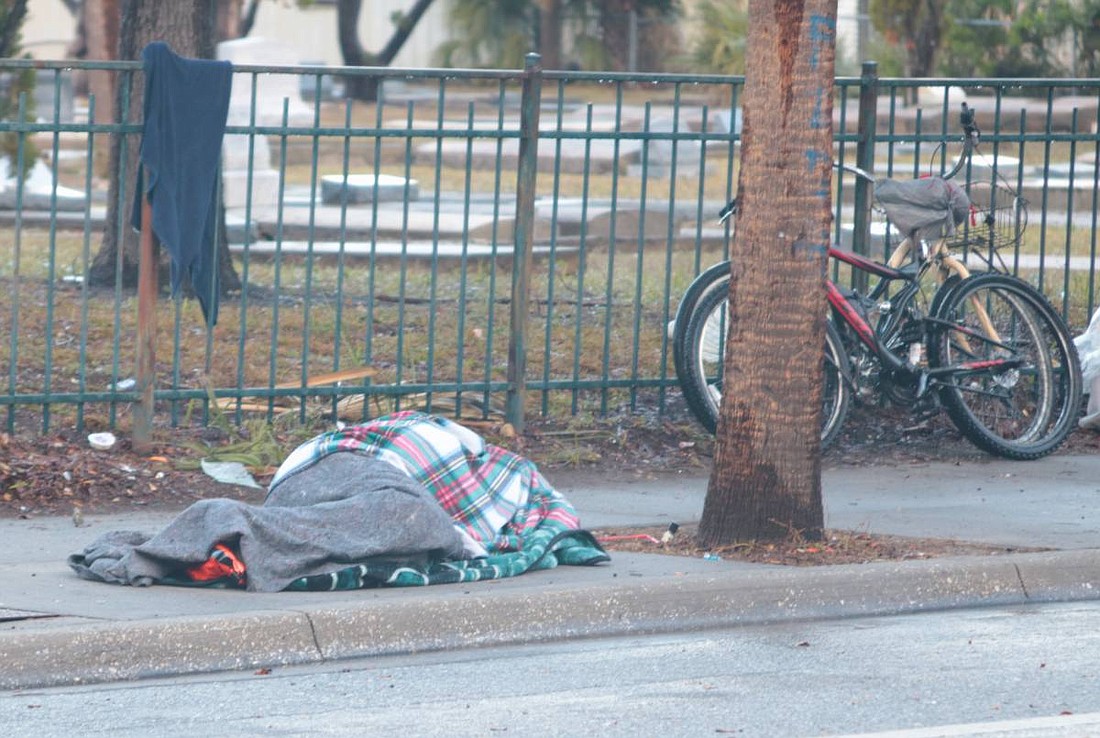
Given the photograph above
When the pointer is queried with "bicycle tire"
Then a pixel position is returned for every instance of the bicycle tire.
(1023, 413)
(702, 284)
(949, 286)
(942, 293)
(703, 344)
(904, 324)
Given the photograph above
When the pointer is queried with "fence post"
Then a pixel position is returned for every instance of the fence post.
(524, 229)
(865, 160)
(142, 436)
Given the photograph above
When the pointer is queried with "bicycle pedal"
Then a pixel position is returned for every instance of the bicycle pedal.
(926, 407)
(922, 386)
(925, 412)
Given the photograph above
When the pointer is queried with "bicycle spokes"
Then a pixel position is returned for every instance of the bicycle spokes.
(1004, 365)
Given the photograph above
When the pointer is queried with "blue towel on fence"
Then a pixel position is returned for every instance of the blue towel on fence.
(186, 103)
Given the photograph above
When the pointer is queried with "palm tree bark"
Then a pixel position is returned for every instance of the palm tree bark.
(766, 480)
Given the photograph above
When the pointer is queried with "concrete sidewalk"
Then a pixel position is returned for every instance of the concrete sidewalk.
(57, 629)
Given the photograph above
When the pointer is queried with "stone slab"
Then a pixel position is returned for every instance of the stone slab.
(361, 188)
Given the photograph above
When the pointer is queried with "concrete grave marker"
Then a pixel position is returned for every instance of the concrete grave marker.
(38, 190)
(273, 92)
(363, 188)
(44, 90)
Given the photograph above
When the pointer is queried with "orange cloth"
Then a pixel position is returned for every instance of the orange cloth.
(222, 564)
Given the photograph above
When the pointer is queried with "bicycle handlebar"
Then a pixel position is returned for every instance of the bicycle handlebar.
(972, 136)
(966, 118)
(727, 211)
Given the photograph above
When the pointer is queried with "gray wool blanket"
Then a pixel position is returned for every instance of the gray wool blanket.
(344, 509)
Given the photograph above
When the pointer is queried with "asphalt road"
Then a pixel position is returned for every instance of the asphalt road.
(1020, 671)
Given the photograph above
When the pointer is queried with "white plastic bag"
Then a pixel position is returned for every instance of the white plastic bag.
(1088, 348)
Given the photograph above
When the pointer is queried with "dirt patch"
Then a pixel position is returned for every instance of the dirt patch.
(835, 547)
(61, 474)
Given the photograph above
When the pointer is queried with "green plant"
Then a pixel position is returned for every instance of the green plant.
(488, 33)
(15, 87)
(260, 445)
(721, 29)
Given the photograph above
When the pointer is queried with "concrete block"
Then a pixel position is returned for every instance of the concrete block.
(360, 188)
(46, 80)
(265, 188)
(235, 151)
(271, 89)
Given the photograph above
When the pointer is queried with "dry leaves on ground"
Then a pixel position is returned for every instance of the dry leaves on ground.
(835, 547)
(61, 474)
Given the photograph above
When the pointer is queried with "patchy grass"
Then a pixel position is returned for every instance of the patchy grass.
(591, 318)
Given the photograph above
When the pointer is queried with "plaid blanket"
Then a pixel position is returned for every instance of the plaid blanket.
(405, 500)
(494, 496)
(576, 548)
(498, 500)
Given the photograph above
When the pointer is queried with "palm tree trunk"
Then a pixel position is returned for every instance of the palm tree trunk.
(766, 480)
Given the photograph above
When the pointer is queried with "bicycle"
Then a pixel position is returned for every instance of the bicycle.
(987, 347)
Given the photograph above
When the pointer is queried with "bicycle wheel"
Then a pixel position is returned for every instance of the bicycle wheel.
(704, 353)
(716, 276)
(1021, 410)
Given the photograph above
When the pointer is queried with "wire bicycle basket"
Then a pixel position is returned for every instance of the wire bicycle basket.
(997, 219)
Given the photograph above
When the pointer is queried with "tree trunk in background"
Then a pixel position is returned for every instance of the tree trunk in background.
(401, 32)
(248, 18)
(615, 23)
(550, 20)
(101, 44)
(766, 480)
(351, 50)
(660, 42)
(14, 13)
(353, 53)
(229, 19)
(188, 26)
(925, 41)
(918, 26)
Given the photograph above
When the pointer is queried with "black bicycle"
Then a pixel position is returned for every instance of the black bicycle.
(987, 347)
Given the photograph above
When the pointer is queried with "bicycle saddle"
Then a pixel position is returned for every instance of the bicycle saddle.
(925, 208)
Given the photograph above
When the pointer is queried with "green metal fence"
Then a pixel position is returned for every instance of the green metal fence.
(480, 242)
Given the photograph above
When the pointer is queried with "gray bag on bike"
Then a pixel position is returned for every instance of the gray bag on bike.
(928, 208)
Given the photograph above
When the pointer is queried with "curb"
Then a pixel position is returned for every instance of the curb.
(72, 654)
